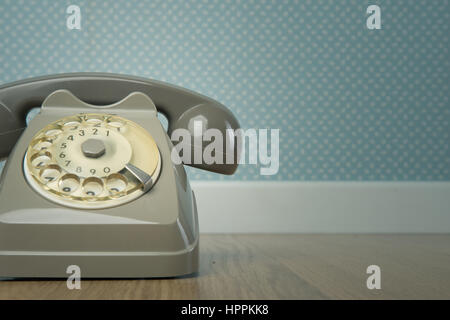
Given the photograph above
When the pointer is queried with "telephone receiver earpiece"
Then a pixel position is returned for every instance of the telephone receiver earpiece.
(180, 106)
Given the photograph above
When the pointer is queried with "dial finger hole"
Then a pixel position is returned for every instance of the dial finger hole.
(93, 186)
(53, 132)
(50, 173)
(42, 144)
(116, 123)
(94, 121)
(72, 124)
(116, 183)
(69, 183)
(40, 159)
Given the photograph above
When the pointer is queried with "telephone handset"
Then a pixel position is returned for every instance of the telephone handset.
(179, 105)
(91, 181)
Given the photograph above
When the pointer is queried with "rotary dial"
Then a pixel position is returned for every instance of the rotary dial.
(92, 161)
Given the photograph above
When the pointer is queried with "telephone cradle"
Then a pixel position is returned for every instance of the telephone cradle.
(91, 181)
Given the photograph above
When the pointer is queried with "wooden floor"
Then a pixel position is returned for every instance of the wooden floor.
(281, 267)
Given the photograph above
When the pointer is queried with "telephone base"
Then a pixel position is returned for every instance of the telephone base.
(99, 264)
(47, 243)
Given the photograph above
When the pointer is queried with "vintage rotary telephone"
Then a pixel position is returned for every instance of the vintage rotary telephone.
(90, 182)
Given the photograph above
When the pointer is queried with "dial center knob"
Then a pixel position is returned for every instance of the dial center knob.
(93, 148)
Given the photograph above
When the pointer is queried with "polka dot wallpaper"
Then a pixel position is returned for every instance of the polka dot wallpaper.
(351, 103)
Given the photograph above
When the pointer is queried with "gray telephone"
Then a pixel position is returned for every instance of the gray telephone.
(90, 182)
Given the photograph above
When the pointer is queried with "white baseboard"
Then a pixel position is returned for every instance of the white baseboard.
(323, 207)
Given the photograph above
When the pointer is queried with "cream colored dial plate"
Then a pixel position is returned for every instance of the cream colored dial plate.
(84, 161)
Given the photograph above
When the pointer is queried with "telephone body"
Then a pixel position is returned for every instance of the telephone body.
(90, 181)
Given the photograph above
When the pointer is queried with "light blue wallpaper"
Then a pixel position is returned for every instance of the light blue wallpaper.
(350, 103)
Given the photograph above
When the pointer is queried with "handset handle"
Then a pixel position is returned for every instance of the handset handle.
(177, 104)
